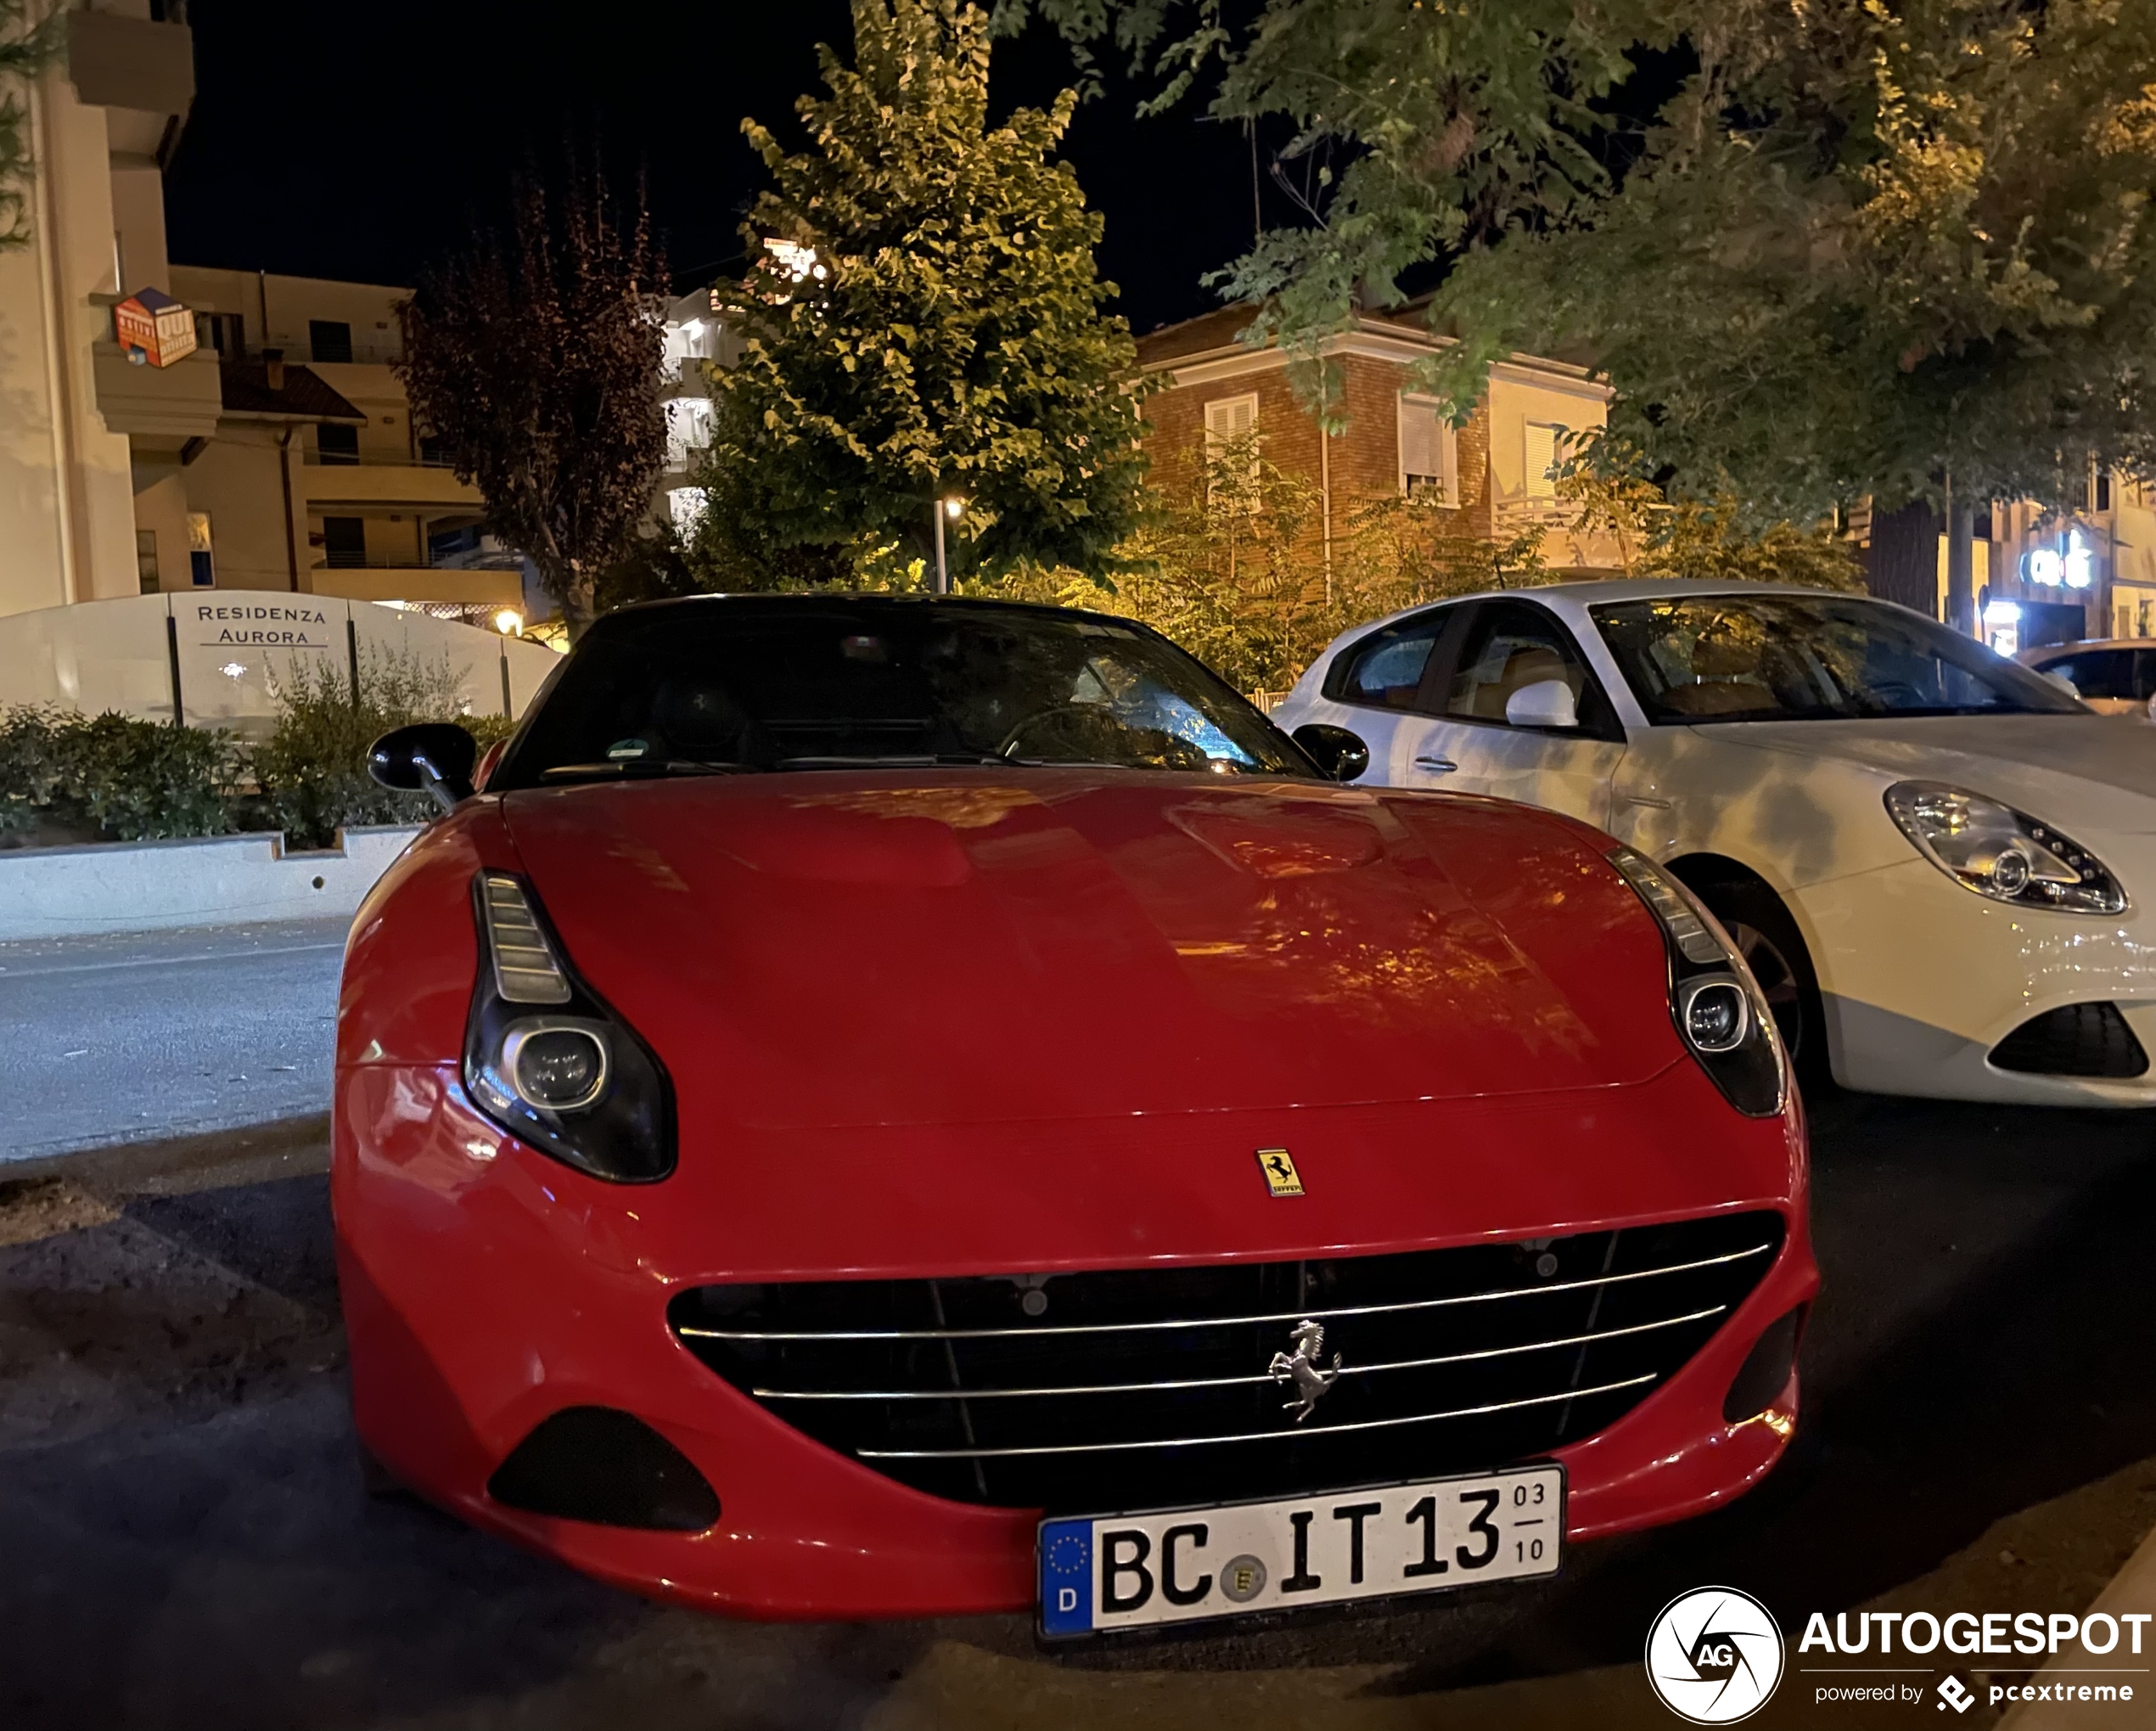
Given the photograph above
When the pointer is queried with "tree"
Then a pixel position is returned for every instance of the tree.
(929, 322)
(27, 46)
(1820, 251)
(535, 361)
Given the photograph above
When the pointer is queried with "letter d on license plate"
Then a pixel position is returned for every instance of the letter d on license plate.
(1125, 1571)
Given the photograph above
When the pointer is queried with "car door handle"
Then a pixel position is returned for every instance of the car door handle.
(1436, 766)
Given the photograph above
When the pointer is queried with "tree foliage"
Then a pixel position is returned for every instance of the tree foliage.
(933, 323)
(28, 43)
(1820, 251)
(311, 770)
(535, 361)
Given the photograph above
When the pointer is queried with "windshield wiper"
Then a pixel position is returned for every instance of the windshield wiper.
(642, 769)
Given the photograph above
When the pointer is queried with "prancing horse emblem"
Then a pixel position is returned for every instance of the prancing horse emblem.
(1299, 1369)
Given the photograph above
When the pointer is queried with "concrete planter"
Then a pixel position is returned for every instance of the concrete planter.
(216, 880)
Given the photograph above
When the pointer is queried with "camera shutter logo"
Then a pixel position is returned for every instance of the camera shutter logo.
(1714, 1656)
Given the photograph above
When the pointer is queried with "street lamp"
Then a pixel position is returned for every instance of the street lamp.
(509, 622)
(950, 508)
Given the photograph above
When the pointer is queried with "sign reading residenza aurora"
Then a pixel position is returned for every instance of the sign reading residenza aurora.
(224, 654)
(296, 625)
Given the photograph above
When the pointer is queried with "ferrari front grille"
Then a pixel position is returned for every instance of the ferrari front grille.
(1155, 1387)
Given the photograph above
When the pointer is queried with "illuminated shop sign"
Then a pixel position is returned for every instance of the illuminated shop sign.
(2071, 564)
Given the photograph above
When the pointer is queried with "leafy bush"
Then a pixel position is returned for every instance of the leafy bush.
(313, 769)
(118, 778)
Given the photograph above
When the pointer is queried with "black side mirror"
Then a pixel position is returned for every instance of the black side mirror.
(1340, 754)
(436, 756)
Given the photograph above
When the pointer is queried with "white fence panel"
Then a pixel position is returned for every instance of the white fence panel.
(233, 648)
(237, 645)
(94, 657)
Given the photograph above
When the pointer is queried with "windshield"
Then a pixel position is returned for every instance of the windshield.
(1794, 658)
(744, 683)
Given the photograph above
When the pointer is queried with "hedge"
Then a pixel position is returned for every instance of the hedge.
(114, 778)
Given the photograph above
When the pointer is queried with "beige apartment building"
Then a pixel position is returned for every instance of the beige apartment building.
(278, 455)
(315, 477)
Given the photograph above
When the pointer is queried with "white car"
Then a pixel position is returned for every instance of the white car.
(1865, 799)
(2114, 676)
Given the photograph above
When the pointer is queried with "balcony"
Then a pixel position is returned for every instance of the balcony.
(178, 402)
(369, 478)
(139, 63)
(462, 585)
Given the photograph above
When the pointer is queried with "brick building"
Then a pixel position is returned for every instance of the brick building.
(1494, 472)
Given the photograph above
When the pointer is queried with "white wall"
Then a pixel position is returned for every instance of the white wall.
(234, 647)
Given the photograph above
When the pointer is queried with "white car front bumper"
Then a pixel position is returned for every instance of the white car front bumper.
(1920, 980)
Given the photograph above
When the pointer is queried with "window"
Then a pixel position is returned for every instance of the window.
(202, 569)
(225, 332)
(146, 561)
(2097, 673)
(2103, 489)
(801, 682)
(688, 428)
(1510, 646)
(1231, 426)
(329, 340)
(1544, 451)
(1429, 450)
(344, 540)
(1386, 669)
(1789, 657)
(337, 445)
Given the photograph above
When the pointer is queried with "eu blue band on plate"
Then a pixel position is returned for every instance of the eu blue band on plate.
(1066, 1577)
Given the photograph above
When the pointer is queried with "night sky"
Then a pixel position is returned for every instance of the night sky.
(362, 141)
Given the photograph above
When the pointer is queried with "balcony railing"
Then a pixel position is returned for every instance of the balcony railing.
(476, 561)
(373, 459)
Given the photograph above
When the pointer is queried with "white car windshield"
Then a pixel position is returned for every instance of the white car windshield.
(1780, 658)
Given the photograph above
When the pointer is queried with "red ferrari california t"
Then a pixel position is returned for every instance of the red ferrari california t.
(887, 1106)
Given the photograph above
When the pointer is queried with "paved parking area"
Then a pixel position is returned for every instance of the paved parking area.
(185, 1542)
(158, 1034)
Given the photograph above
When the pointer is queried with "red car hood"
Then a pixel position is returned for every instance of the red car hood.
(835, 949)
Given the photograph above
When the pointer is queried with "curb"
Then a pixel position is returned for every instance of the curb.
(246, 878)
(281, 1148)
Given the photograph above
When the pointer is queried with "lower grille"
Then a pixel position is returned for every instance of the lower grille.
(2076, 1039)
(1150, 1388)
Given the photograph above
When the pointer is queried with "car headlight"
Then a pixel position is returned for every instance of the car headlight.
(1717, 1006)
(2000, 852)
(550, 1062)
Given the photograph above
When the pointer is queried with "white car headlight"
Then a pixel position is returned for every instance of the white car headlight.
(2000, 852)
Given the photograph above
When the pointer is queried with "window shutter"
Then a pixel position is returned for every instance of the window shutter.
(1429, 457)
(1227, 419)
(1542, 449)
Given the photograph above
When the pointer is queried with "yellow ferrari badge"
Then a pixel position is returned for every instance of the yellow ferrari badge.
(1281, 1177)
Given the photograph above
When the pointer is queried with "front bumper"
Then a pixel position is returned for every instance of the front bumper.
(487, 1288)
(1920, 980)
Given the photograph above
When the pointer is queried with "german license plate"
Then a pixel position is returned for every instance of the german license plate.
(1121, 1571)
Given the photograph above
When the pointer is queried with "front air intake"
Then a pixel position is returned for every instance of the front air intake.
(595, 1464)
(2076, 1039)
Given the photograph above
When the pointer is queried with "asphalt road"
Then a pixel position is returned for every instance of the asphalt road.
(156, 1034)
(183, 1540)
